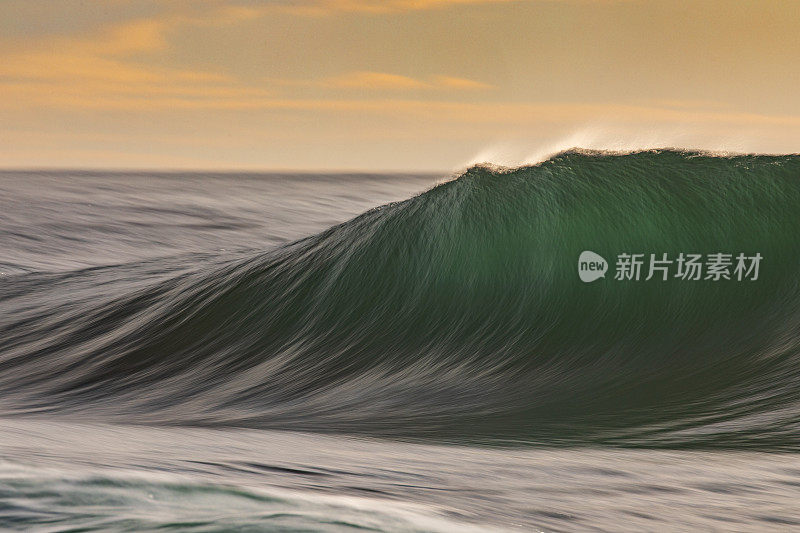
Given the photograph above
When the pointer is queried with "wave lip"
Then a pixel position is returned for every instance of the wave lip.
(457, 315)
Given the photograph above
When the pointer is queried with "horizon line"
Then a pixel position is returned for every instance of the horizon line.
(199, 170)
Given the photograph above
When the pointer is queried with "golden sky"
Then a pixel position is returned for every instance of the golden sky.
(389, 85)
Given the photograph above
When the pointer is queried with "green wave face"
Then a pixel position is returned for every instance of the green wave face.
(459, 314)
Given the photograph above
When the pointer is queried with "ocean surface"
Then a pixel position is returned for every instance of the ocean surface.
(403, 353)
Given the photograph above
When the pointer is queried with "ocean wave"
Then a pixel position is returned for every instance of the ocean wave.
(456, 315)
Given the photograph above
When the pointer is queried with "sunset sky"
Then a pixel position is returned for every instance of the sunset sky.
(389, 85)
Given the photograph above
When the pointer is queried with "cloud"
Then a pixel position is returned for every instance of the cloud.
(110, 67)
(492, 115)
(367, 80)
(372, 80)
(322, 7)
(451, 82)
(328, 7)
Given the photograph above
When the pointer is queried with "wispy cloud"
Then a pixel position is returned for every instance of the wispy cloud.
(112, 69)
(324, 7)
(372, 80)
(111, 65)
(367, 80)
(451, 82)
(500, 115)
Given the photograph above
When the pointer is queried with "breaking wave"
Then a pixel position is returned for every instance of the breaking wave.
(455, 315)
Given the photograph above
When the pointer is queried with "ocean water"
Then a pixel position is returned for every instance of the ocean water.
(286, 352)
